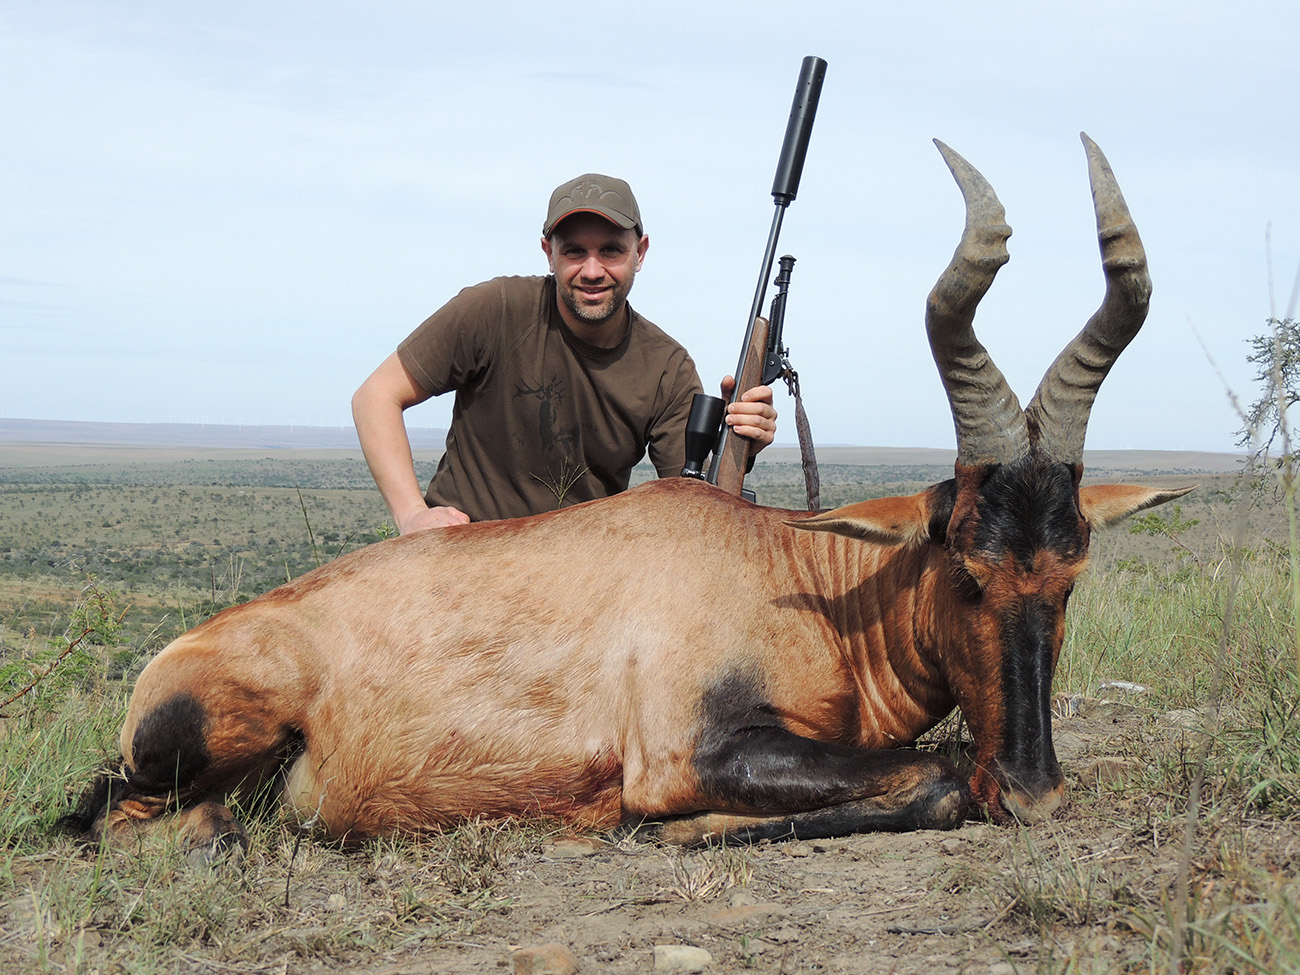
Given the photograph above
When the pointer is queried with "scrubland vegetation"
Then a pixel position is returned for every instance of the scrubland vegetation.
(100, 568)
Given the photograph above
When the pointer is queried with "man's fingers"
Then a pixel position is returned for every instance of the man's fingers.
(763, 414)
(757, 394)
(441, 517)
(449, 516)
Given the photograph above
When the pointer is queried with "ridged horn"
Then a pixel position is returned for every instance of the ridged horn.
(1060, 408)
(990, 425)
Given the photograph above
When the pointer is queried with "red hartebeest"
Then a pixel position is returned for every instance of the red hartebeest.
(595, 666)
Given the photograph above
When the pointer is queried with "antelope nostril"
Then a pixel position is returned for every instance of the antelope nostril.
(1031, 809)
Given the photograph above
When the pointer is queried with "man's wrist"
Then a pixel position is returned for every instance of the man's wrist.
(409, 515)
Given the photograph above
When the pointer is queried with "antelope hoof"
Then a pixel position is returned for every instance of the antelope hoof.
(211, 835)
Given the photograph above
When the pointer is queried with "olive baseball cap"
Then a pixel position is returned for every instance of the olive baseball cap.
(593, 193)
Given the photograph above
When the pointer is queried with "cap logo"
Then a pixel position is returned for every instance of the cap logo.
(589, 192)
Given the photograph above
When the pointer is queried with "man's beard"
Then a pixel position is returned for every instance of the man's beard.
(609, 306)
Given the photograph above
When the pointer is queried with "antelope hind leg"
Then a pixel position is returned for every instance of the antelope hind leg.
(113, 812)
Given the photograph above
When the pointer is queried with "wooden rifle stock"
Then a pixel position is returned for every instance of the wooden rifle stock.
(733, 459)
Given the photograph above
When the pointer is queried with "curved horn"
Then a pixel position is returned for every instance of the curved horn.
(990, 425)
(1059, 410)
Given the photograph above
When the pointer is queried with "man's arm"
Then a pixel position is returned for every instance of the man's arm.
(377, 408)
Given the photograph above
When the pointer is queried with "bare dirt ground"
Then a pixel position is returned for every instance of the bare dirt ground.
(1083, 893)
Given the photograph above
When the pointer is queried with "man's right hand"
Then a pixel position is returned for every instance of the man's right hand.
(422, 518)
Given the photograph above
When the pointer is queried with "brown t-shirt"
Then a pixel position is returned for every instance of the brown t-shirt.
(542, 419)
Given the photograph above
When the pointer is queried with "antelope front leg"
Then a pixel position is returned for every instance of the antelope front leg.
(767, 783)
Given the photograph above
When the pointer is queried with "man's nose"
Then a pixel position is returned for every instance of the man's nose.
(592, 268)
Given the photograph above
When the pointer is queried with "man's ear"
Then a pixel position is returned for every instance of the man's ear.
(642, 246)
(546, 249)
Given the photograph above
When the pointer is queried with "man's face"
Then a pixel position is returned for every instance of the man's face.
(594, 263)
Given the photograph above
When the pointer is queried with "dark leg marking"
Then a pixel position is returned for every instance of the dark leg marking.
(748, 762)
(943, 807)
(169, 747)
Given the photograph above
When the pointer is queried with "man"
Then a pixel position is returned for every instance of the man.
(560, 386)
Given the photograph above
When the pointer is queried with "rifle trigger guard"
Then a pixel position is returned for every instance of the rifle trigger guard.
(790, 376)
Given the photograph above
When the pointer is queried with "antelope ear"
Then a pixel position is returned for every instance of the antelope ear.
(887, 521)
(1106, 504)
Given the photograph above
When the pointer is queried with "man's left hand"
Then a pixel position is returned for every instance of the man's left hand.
(752, 416)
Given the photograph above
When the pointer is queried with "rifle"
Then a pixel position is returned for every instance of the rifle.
(761, 350)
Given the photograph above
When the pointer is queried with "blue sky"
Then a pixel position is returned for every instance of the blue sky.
(230, 213)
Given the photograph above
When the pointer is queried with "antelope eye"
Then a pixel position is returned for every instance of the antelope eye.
(979, 574)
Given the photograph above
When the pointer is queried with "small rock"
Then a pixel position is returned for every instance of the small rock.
(951, 845)
(683, 959)
(335, 902)
(742, 898)
(799, 850)
(551, 959)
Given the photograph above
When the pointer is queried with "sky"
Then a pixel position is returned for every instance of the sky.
(231, 213)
